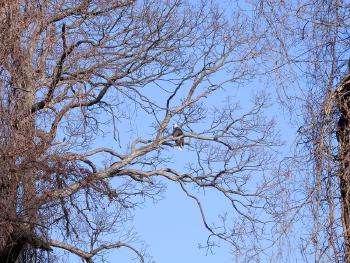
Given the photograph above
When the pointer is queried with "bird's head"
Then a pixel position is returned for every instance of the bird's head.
(176, 125)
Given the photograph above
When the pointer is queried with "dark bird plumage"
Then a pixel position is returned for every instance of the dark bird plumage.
(176, 133)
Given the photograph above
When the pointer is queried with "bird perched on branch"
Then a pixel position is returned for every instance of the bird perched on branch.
(176, 133)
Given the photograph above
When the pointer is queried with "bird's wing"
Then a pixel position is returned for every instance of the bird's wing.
(177, 132)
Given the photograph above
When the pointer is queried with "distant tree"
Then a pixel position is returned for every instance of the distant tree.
(77, 74)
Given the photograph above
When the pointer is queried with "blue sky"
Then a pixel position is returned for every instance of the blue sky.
(171, 228)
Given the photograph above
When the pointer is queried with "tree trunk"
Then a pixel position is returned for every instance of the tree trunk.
(343, 133)
(18, 204)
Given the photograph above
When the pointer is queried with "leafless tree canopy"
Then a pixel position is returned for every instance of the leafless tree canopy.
(311, 47)
(90, 90)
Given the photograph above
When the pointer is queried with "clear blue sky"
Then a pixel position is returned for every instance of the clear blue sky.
(172, 228)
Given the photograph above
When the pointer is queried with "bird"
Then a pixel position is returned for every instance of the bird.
(176, 133)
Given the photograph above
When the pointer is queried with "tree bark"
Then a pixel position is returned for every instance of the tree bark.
(343, 133)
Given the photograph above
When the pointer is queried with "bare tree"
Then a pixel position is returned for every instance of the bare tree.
(311, 40)
(74, 72)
